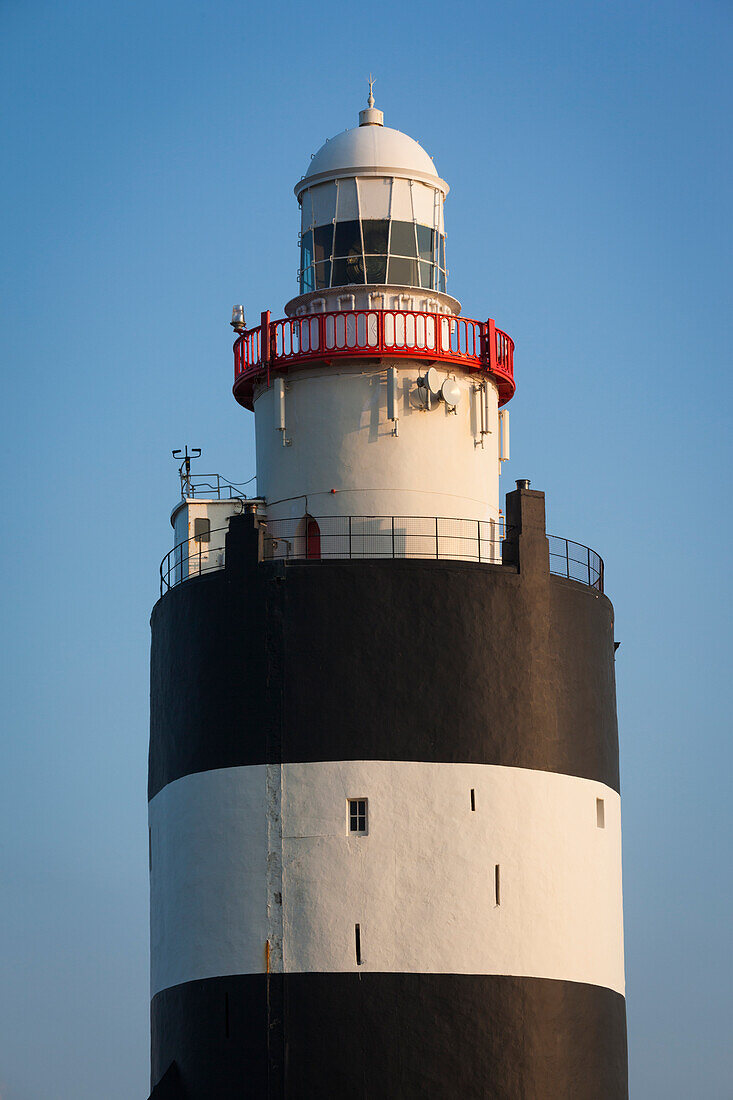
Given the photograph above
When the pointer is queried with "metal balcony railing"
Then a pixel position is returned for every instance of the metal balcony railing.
(576, 562)
(212, 487)
(330, 538)
(193, 558)
(274, 345)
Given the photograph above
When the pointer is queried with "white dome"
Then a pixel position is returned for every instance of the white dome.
(371, 151)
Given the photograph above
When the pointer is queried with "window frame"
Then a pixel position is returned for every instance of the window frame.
(202, 529)
(321, 272)
(357, 816)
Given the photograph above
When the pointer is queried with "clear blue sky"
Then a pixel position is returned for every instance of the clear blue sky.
(150, 150)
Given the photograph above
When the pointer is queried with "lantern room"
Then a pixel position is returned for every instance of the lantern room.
(372, 216)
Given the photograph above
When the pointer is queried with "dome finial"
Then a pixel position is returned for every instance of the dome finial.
(371, 116)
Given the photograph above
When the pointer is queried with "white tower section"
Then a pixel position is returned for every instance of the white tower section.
(358, 436)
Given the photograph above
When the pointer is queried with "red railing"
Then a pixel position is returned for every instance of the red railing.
(273, 345)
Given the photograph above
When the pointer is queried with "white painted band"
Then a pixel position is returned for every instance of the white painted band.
(421, 884)
(443, 462)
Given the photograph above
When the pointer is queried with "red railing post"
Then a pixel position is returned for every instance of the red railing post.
(265, 341)
(491, 337)
(265, 336)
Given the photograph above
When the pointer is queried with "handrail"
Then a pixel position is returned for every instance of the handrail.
(273, 345)
(212, 487)
(172, 565)
(362, 537)
(576, 562)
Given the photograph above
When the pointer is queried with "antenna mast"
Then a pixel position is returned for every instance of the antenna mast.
(184, 470)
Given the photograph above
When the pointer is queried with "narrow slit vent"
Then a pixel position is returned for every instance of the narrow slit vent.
(357, 938)
(497, 885)
(600, 813)
(473, 798)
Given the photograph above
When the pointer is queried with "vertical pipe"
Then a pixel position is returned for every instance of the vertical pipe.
(504, 442)
(392, 400)
(279, 407)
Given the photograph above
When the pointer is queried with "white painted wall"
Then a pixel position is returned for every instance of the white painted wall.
(420, 884)
(195, 557)
(340, 438)
(373, 296)
(208, 880)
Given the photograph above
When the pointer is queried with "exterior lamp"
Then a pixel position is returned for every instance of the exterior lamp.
(237, 322)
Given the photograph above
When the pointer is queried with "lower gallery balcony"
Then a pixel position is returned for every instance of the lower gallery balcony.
(329, 538)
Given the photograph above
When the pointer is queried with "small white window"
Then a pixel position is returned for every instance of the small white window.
(600, 813)
(358, 819)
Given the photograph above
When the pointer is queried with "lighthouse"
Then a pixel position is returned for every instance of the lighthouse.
(385, 839)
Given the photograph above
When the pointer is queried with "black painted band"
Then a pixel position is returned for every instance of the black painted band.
(363, 1035)
(382, 660)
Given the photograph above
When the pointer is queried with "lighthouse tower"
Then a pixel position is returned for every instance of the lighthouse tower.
(385, 842)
